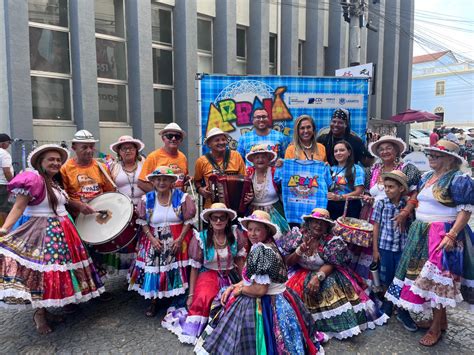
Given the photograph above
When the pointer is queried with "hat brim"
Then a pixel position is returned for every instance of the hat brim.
(152, 176)
(396, 178)
(252, 154)
(138, 143)
(307, 217)
(402, 147)
(164, 131)
(33, 157)
(246, 220)
(207, 212)
(84, 141)
(461, 160)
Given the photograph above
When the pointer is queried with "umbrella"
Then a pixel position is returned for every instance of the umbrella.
(410, 116)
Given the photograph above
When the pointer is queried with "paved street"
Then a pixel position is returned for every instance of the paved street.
(121, 327)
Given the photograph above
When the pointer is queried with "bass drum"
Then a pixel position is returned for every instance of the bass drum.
(112, 230)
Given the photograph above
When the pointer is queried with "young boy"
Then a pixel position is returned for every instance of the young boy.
(389, 241)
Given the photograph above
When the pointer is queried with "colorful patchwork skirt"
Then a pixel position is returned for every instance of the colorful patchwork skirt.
(277, 324)
(160, 274)
(43, 263)
(427, 278)
(188, 325)
(341, 308)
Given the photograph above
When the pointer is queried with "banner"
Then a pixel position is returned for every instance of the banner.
(228, 102)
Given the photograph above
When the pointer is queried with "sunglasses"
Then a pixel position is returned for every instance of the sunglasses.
(433, 156)
(218, 218)
(176, 136)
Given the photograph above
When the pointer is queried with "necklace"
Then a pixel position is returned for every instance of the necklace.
(219, 245)
(228, 261)
(260, 189)
(131, 179)
(432, 180)
(164, 204)
(307, 146)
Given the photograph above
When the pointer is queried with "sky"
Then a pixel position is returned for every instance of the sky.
(446, 25)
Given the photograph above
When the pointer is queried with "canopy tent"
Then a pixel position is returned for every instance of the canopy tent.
(411, 116)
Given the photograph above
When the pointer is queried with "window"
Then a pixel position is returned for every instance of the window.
(111, 54)
(440, 88)
(162, 51)
(50, 67)
(204, 39)
(272, 46)
(300, 57)
(241, 51)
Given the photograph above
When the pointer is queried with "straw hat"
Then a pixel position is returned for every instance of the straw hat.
(162, 171)
(446, 147)
(172, 127)
(398, 142)
(260, 149)
(33, 157)
(83, 136)
(215, 132)
(127, 139)
(319, 214)
(217, 207)
(260, 217)
(399, 176)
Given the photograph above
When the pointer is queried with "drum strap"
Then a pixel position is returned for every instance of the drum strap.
(216, 166)
(103, 171)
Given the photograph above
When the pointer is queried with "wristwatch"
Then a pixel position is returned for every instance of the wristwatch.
(321, 276)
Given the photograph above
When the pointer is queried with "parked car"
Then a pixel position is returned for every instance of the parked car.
(418, 140)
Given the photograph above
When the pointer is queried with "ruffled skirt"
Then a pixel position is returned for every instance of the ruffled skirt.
(188, 325)
(43, 263)
(278, 324)
(427, 278)
(341, 308)
(158, 275)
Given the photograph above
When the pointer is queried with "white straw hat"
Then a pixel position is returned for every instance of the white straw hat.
(172, 127)
(83, 136)
(33, 156)
(217, 207)
(127, 139)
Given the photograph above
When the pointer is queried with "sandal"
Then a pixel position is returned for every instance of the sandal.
(54, 318)
(41, 323)
(152, 310)
(426, 324)
(430, 338)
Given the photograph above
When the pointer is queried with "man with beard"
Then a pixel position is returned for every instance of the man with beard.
(340, 129)
(220, 160)
(262, 133)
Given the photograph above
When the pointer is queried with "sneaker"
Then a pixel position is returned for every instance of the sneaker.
(404, 317)
(387, 308)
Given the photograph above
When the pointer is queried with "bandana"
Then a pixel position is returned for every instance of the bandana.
(342, 114)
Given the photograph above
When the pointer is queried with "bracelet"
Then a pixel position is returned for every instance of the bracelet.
(451, 235)
(321, 276)
(413, 201)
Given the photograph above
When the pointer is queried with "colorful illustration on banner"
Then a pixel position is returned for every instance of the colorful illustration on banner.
(303, 186)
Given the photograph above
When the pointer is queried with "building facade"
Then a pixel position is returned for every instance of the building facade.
(118, 67)
(444, 85)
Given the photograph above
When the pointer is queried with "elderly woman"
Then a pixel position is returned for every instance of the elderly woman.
(319, 273)
(304, 145)
(265, 190)
(435, 270)
(260, 314)
(166, 215)
(217, 256)
(43, 262)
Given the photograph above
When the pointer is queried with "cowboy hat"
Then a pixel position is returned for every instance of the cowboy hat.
(260, 149)
(398, 142)
(217, 207)
(172, 127)
(260, 217)
(127, 139)
(320, 214)
(34, 155)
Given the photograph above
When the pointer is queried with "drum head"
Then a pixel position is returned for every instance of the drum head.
(98, 228)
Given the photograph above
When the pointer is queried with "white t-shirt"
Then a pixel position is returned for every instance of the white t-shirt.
(5, 162)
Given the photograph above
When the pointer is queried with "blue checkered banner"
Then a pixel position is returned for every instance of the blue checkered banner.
(228, 102)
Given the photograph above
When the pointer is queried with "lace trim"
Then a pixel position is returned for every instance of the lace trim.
(159, 294)
(431, 272)
(261, 279)
(468, 283)
(163, 268)
(46, 267)
(332, 312)
(22, 191)
(467, 208)
(77, 298)
(434, 300)
(415, 308)
(348, 333)
(195, 264)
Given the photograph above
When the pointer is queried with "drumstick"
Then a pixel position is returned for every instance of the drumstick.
(192, 189)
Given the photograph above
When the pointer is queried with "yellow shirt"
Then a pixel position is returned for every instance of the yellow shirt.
(85, 182)
(291, 151)
(204, 169)
(178, 163)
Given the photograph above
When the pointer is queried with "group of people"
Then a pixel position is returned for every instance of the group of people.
(277, 278)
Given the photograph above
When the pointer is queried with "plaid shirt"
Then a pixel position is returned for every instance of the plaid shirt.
(390, 238)
(274, 140)
(304, 185)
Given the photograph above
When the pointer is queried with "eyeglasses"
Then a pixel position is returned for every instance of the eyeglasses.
(260, 118)
(127, 149)
(176, 136)
(433, 156)
(218, 218)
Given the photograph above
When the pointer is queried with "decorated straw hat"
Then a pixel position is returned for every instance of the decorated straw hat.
(127, 139)
(260, 217)
(215, 132)
(398, 142)
(34, 155)
(217, 207)
(319, 214)
(172, 127)
(83, 136)
(446, 147)
(260, 149)
(162, 171)
(399, 176)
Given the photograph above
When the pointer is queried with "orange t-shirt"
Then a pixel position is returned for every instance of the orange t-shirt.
(291, 151)
(178, 163)
(85, 182)
(204, 169)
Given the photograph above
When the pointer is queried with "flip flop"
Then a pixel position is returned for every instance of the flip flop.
(42, 327)
(430, 338)
(54, 318)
